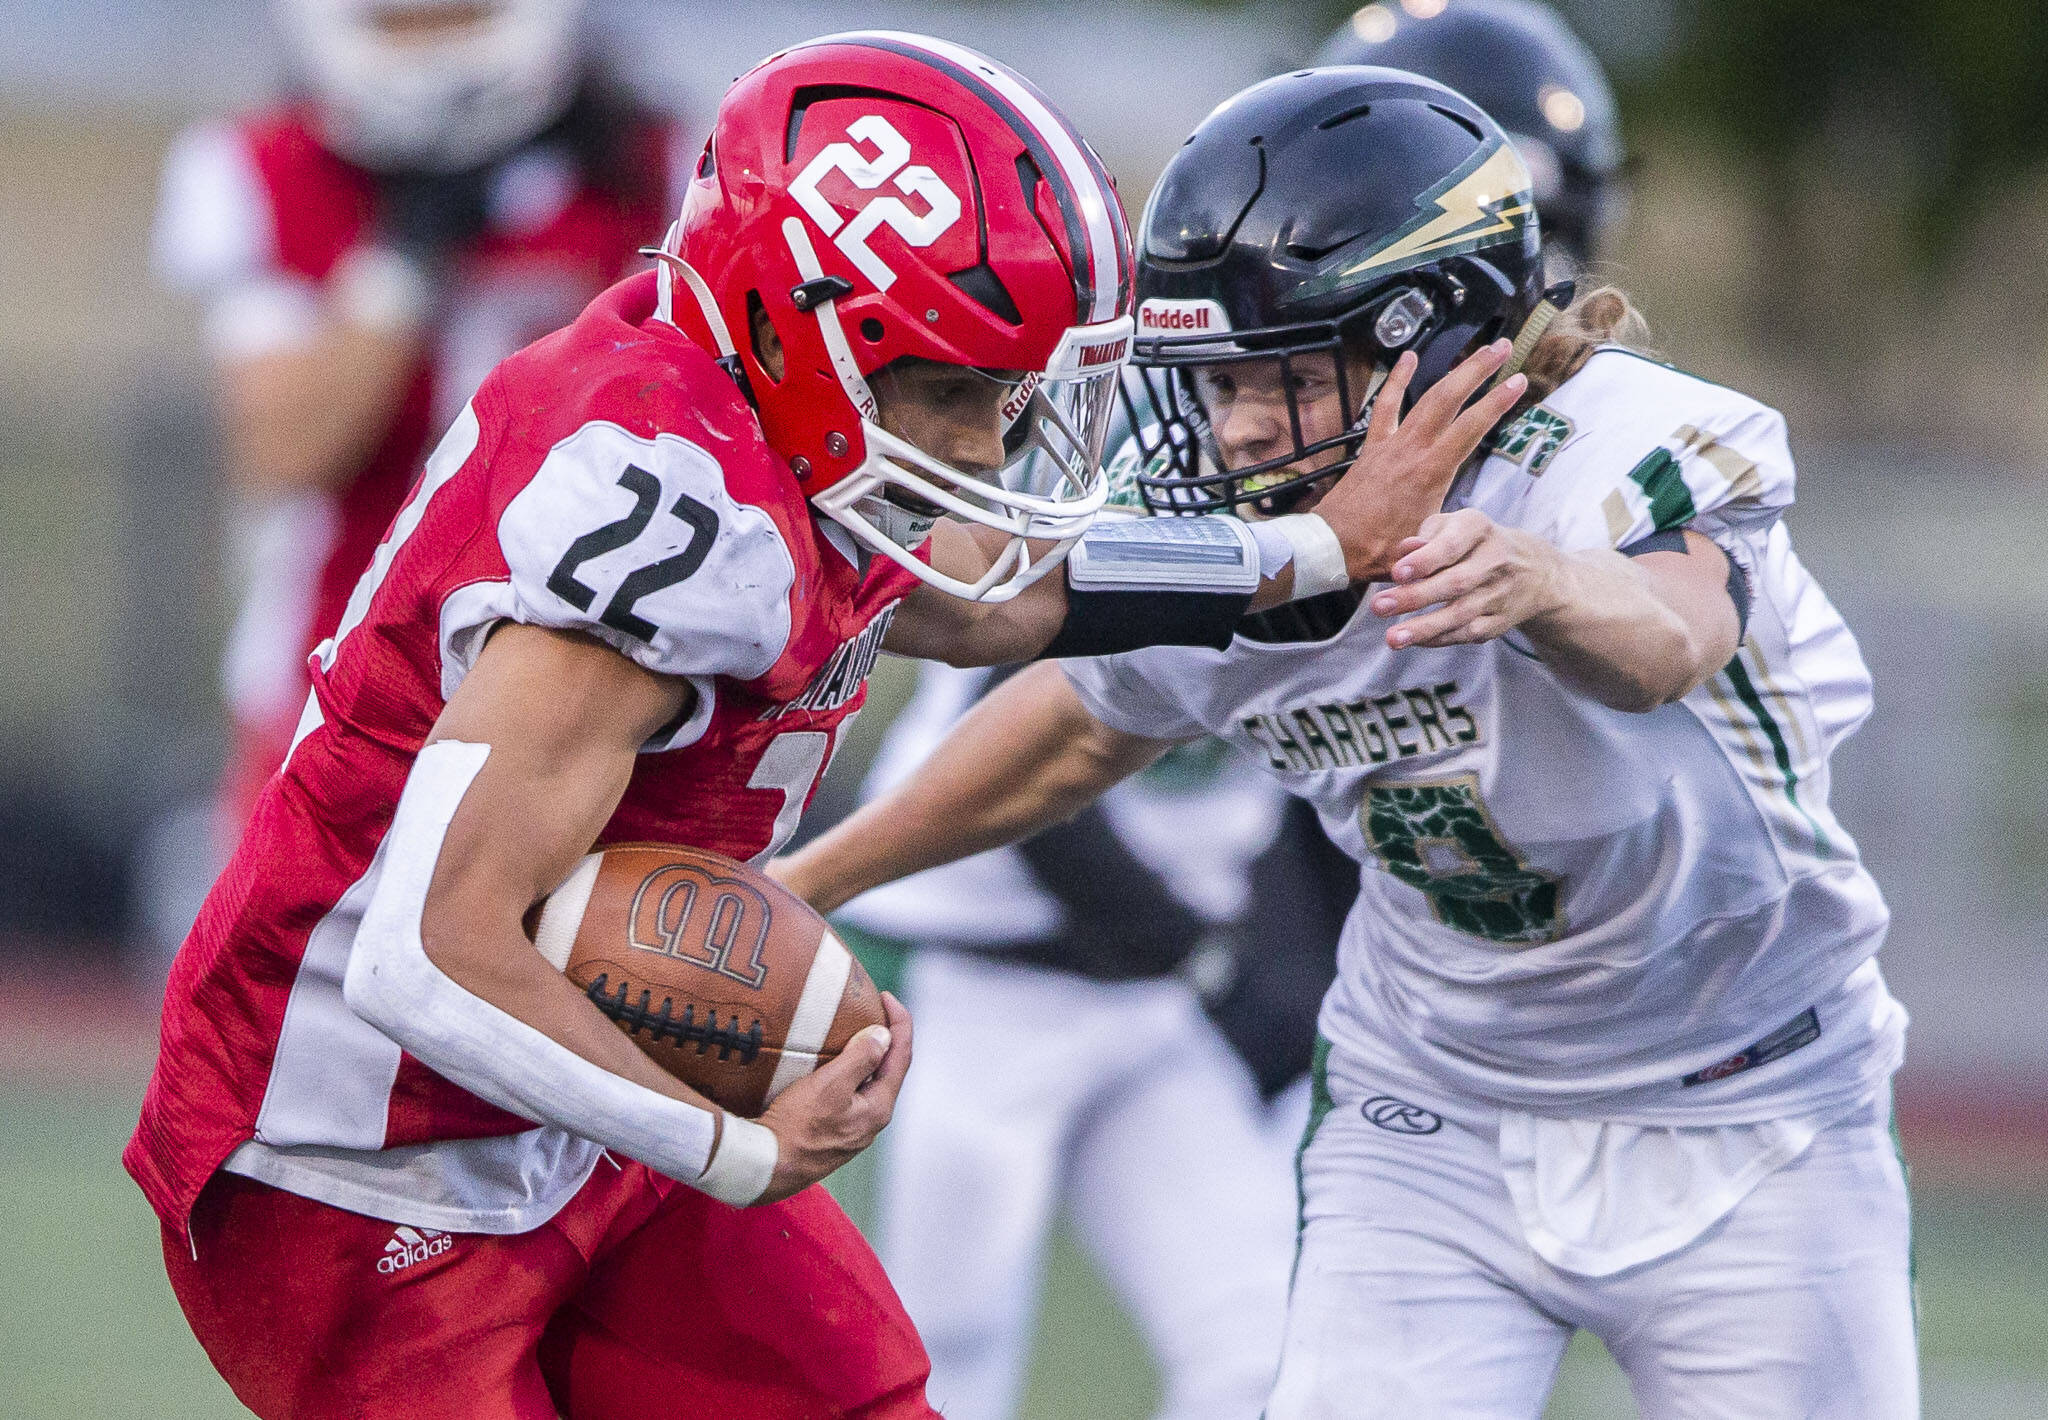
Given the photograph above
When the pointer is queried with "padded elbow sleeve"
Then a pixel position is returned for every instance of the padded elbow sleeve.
(1136, 582)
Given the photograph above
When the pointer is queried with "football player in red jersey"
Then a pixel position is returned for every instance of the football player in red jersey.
(403, 1167)
(450, 181)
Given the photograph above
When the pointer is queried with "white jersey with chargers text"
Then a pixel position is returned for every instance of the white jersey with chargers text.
(1567, 908)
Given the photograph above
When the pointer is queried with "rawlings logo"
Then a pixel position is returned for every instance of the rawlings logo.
(687, 912)
(1399, 1117)
(891, 161)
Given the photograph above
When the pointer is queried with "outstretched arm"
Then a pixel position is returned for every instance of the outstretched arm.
(1632, 632)
(1027, 756)
(1402, 472)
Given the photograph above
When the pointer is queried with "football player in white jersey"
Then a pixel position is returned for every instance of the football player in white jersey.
(1609, 1048)
(1106, 960)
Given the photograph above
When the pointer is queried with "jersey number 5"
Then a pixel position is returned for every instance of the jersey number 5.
(618, 612)
(1440, 840)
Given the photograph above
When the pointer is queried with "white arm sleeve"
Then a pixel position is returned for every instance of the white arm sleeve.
(393, 985)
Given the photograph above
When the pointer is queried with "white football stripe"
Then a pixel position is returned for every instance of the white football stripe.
(790, 1066)
(816, 1009)
(561, 916)
(1080, 177)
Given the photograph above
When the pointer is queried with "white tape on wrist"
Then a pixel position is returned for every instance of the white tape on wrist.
(1318, 555)
(742, 1164)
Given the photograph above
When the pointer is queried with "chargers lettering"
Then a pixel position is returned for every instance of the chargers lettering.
(1353, 734)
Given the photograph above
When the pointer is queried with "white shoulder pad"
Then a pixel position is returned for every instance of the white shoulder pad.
(1629, 447)
(637, 542)
(214, 227)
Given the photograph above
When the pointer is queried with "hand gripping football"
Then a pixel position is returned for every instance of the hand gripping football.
(725, 978)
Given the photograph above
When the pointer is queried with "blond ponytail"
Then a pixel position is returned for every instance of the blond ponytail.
(1603, 316)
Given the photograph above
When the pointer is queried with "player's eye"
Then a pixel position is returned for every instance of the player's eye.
(955, 394)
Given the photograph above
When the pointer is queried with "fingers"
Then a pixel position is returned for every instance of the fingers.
(834, 1087)
(1473, 425)
(1469, 618)
(1445, 538)
(1446, 586)
(887, 1077)
(1435, 410)
(1386, 408)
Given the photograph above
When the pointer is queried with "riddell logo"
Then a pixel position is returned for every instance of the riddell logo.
(1167, 317)
(411, 1246)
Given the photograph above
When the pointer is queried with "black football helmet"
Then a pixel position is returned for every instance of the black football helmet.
(1518, 60)
(1329, 220)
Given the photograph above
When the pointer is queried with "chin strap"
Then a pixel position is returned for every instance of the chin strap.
(672, 266)
(1553, 305)
(826, 309)
(669, 266)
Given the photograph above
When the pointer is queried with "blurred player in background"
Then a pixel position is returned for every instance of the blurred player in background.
(448, 180)
(1519, 61)
(403, 1166)
(1117, 1016)
(1609, 1047)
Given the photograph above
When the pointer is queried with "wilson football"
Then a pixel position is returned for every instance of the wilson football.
(725, 978)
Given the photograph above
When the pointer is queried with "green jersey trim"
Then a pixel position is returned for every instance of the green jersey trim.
(1319, 1107)
(1662, 482)
(1745, 688)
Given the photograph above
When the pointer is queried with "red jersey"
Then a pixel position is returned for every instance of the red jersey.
(609, 479)
(255, 216)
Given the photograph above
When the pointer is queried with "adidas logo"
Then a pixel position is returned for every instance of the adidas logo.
(411, 1246)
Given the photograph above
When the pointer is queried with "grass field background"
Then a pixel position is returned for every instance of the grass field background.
(89, 1331)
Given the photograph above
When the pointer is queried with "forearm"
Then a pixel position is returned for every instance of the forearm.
(1612, 636)
(300, 418)
(1026, 757)
(514, 1031)
(1131, 583)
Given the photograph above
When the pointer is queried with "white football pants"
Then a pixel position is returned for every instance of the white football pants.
(1418, 1296)
(1032, 1089)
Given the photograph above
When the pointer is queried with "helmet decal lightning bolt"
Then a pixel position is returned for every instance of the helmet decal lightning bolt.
(1483, 202)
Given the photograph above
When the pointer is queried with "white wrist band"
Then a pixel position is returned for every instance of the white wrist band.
(381, 290)
(1318, 555)
(741, 1164)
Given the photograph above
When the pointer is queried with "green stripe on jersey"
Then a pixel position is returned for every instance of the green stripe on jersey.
(1319, 1106)
(1738, 676)
(1664, 485)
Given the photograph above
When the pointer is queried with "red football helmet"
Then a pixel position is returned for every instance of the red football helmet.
(875, 196)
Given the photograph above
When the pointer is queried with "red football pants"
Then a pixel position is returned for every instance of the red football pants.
(641, 1300)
